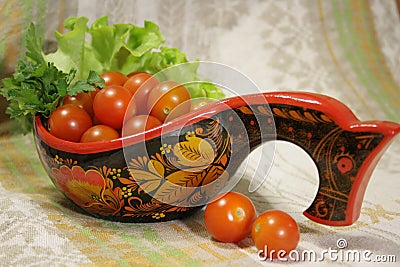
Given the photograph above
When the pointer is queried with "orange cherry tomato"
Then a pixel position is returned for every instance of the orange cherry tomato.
(229, 217)
(69, 122)
(167, 96)
(139, 123)
(275, 231)
(99, 133)
(113, 78)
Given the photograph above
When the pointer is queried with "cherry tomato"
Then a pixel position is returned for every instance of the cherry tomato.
(69, 122)
(113, 78)
(99, 133)
(200, 102)
(229, 217)
(142, 94)
(165, 97)
(134, 73)
(139, 123)
(82, 100)
(275, 230)
(110, 105)
(134, 82)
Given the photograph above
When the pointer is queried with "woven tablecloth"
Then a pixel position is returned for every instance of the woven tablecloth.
(349, 50)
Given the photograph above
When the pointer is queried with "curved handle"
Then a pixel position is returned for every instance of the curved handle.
(344, 149)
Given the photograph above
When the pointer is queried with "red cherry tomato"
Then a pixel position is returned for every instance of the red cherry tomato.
(110, 105)
(275, 230)
(142, 94)
(113, 78)
(99, 133)
(165, 97)
(139, 123)
(229, 217)
(134, 73)
(69, 122)
(135, 81)
(82, 100)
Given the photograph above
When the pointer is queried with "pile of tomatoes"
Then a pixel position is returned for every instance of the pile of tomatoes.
(231, 217)
(135, 102)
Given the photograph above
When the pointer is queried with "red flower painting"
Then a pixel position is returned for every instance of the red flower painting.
(88, 189)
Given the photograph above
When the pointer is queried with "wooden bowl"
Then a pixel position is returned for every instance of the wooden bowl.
(170, 171)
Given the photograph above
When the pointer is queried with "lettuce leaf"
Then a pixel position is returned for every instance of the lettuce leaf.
(37, 86)
(120, 47)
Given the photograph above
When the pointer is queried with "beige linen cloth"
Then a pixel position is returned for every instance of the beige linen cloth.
(349, 50)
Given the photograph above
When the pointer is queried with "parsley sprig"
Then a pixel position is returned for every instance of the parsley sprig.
(37, 86)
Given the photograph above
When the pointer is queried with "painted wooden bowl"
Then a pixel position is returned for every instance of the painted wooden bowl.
(171, 171)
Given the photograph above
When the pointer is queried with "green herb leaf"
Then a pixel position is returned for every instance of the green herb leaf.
(95, 80)
(37, 86)
(34, 46)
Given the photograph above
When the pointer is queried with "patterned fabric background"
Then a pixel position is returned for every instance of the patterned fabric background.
(349, 50)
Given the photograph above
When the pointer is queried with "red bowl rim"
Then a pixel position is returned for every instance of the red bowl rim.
(95, 147)
(336, 110)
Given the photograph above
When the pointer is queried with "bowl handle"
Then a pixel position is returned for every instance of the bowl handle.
(344, 149)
